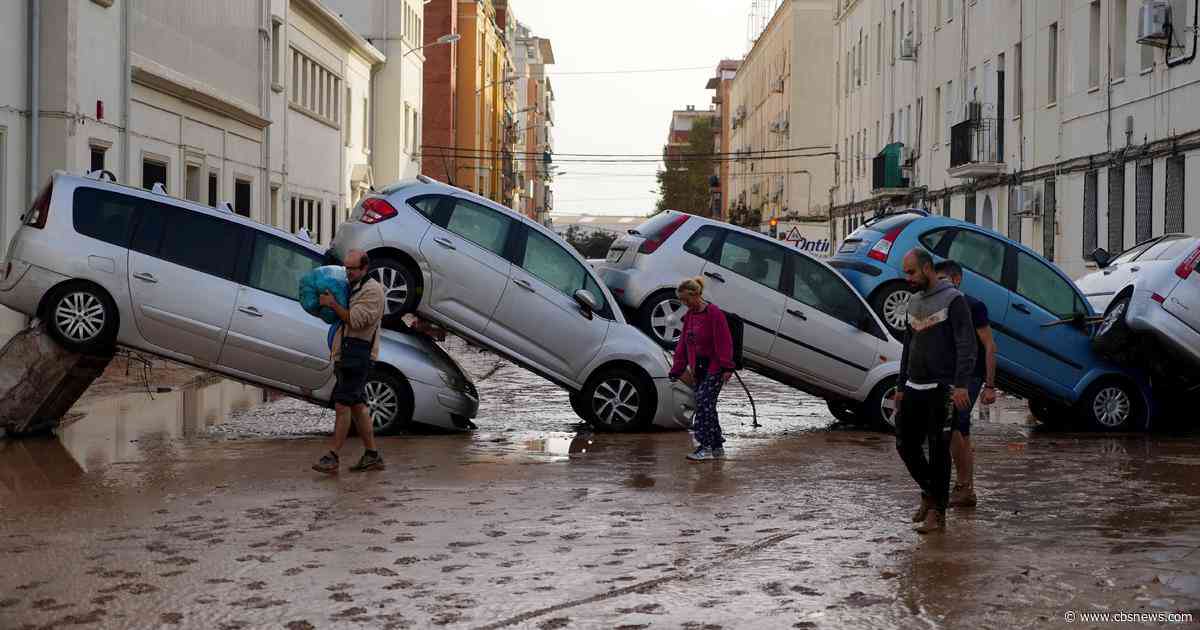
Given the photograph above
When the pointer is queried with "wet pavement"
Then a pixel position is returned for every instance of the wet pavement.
(197, 509)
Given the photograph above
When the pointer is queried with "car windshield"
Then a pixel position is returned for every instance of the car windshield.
(1167, 248)
(655, 225)
(887, 223)
(1132, 253)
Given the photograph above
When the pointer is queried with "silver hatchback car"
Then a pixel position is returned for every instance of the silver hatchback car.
(805, 326)
(105, 264)
(509, 284)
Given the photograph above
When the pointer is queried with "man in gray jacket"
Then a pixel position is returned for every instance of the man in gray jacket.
(935, 368)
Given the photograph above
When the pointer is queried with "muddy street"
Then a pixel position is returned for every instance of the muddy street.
(198, 509)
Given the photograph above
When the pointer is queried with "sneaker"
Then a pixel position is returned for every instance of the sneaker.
(963, 496)
(718, 453)
(935, 521)
(368, 462)
(700, 454)
(926, 505)
(328, 464)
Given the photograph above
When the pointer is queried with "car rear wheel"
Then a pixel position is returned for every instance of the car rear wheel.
(618, 399)
(400, 287)
(891, 303)
(82, 317)
(1111, 406)
(389, 401)
(1114, 338)
(661, 317)
(880, 408)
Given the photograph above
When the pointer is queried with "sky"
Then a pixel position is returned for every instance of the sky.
(626, 113)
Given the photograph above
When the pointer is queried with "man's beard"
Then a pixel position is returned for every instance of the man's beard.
(920, 284)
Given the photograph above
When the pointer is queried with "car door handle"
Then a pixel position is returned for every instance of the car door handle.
(250, 310)
(1022, 308)
(146, 277)
(715, 276)
(445, 242)
(795, 313)
(524, 285)
(1134, 269)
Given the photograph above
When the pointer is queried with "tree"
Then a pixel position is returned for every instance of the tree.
(684, 184)
(593, 244)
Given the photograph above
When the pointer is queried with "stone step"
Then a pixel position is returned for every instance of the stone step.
(40, 381)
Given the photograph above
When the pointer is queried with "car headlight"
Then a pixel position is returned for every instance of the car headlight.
(454, 381)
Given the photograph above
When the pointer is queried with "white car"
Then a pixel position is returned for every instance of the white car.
(105, 264)
(1150, 292)
(511, 285)
(805, 326)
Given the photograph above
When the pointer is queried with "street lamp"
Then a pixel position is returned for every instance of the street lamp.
(448, 38)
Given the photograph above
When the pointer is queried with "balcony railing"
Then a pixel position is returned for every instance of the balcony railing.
(976, 148)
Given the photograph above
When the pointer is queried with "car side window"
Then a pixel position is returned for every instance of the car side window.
(937, 240)
(104, 216)
(818, 287)
(483, 226)
(982, 254)
(277, 266)
(701, 242)
(552, 264)
(189, 239)
(753, 259)
(1039, 284)
(426, 205)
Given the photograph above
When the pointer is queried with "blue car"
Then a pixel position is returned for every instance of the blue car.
(1041, 320)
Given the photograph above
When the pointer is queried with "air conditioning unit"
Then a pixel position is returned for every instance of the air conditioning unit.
(1154, 23)
(908, 48)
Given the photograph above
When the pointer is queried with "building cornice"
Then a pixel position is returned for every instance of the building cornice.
(339, 27)
(153, 75)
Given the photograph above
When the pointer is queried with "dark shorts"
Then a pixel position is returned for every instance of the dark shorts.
(962, 419)
(351, 386)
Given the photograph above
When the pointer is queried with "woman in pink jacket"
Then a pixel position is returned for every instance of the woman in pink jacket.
(704, 361)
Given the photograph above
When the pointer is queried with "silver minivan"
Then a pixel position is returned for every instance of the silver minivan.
(105, 264)
(509, 284)
(805, 326)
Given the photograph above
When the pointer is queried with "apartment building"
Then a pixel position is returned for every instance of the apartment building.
(1065, 125)
(533, 122)
(782, 100)
(721, 84)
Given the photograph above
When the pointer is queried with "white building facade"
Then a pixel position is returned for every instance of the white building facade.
(1046, 121)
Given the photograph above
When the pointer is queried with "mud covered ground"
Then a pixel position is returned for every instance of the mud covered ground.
(201, 512)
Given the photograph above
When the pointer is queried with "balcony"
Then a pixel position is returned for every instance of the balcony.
(887, 172)
(976, 149)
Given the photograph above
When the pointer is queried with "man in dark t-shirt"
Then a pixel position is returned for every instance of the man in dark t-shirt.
(982, 387)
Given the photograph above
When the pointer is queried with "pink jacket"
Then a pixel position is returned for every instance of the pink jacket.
(705, 334)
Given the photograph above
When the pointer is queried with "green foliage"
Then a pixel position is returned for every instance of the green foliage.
(684, 185)
(592, 244)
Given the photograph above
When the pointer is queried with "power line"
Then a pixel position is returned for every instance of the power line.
(635, 71)
(629, 155)
(672, 161)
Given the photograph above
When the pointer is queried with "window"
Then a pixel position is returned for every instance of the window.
(701, 242)
(951, 5)
(1168, 248)
(878, 48)
(1052, 66)
(753, 258)
(98, 153)
(276, 53)
(1143, 218)
(483, 226)
(104, 216)
(426, 205)
(241, 197)
(153, 172)
(1019, 83)
(1049, 219)
(814, 285)
(979, 253)
(212, 188)
(937, 241)
(1181, 22)
(193, 182)
(277, 266)
(1094, 46)
(366, 124)
(1147, 53)
(550, 263)
(305, 216)
(1120, 35)
(1133, 253)
(1090, 214)
(969, 214)
(1174, 198)
(892, 43)
(348, 106)
(194, 240)
(949, 117)
(1116, 208)
(1038, 283)
(315, 89)
(946, 206)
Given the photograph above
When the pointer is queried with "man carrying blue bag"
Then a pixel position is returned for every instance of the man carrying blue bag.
(355, 347)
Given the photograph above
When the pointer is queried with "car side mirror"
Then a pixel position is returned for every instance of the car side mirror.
(587, 301)
(1102, 257)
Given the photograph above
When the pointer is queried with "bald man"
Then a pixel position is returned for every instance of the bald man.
(355, 348)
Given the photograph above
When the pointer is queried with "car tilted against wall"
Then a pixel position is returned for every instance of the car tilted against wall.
(105, 264)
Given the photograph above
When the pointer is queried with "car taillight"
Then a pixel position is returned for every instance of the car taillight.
(36, 218)
(1188, 265)
(883, 247)
(376, 210)
(650, 245)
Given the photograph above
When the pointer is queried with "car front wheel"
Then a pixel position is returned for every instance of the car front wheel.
(618, 399)
(389, 401)
(82, 318)
(891, 303)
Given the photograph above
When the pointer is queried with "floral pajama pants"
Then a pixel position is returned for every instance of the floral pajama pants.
(705, 424)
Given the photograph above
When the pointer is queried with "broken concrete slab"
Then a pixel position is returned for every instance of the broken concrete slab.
(40, 380)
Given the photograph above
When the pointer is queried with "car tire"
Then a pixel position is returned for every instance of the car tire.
(1111, 405)
(401, 288)
(661, 317)
(1048, 413)
(618, 400)
(82, 317)
(891, 304)
(843, 411)
(579, 408)
(879, 409)
(1114, 338)
(390, 401)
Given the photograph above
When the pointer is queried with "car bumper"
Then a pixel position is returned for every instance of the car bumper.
(353, 235)
(1147, 316)
(443, 407)
(22, 290)
(624, 285)
(863, 275)
(676, 403)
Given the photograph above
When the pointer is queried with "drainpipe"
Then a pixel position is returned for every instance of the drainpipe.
(264, 107)
(1108, 81)
(1195, 34)
(35, 96)
(126, 89)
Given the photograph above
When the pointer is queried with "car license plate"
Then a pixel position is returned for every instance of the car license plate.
(614, 255)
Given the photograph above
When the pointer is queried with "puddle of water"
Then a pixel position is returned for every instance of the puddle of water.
(117, 428)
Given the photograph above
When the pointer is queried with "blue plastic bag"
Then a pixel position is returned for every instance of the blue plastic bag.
(333, 328)
(330, 278)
